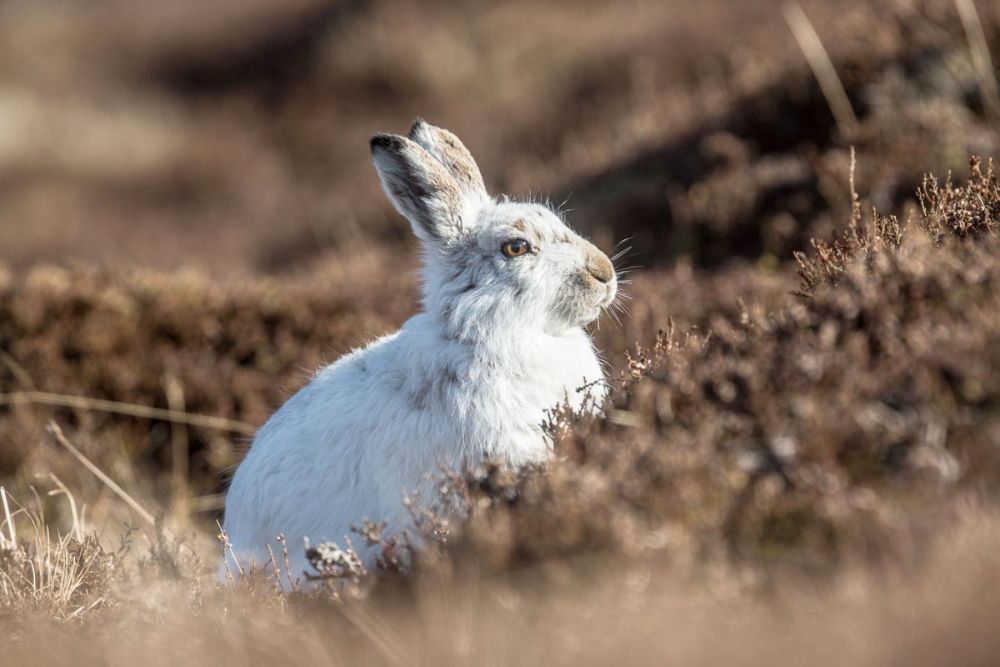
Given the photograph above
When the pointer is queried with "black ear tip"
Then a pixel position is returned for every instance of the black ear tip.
(390, 142)
(418, 125)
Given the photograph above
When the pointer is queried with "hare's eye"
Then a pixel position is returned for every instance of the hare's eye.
(516, 248)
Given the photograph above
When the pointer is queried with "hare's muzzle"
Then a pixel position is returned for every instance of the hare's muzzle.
(602, 271)
(600, 267)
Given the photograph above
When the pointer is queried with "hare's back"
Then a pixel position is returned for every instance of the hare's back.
(303, 474)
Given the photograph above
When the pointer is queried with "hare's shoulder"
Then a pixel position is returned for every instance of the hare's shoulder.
(333, 395)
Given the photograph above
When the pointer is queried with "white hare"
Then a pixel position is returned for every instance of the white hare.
(507, 290)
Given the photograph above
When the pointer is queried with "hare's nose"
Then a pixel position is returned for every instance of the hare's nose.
(600, 267)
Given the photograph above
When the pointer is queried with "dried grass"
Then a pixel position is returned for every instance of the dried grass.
(58, 576)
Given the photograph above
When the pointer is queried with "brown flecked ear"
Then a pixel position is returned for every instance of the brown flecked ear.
(419, 187)
(452, 153)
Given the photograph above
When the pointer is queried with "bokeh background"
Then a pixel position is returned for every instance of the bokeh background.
(190, 224)
(232, 136)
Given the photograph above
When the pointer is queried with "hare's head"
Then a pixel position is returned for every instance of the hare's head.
(488, 262)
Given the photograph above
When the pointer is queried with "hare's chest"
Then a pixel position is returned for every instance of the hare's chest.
(505, 404)
(570, 370)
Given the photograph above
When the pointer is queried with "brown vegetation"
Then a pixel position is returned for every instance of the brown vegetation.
(825, 431)
(799, 459)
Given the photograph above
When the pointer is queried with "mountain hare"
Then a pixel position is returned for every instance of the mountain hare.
(507, 290)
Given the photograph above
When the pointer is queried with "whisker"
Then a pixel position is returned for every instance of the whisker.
(618, 314)
(561, 208)
(621, 252)
(623, 241)
(618, 255)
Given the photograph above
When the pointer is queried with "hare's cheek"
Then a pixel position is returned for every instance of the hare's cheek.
(577, 292)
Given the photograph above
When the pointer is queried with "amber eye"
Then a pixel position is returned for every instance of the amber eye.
(516, 248)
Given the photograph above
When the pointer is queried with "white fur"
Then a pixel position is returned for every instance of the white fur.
(498, 343)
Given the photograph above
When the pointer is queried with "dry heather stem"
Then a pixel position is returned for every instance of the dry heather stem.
(58, 436)
(823, 69)
(129, 409)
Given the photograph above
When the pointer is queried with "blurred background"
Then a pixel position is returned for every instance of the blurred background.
(232, 136)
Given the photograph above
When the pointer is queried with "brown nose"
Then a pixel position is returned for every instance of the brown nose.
(600, 266)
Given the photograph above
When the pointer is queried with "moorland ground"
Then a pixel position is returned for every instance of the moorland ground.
(800, 456)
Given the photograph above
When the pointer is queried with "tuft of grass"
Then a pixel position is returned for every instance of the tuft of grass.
(63, 576)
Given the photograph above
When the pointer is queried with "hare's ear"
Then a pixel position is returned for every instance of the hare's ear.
(452, 153)
(419, 187)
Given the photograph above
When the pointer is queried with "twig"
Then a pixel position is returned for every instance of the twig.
(292, 585)
(855, 201)
(57, 434)
(8, 518)
(17, 370)
(275, 570)
(981, 59)
(854, 168)
(144, 514)
(179, 444)
(227, 551)
(62, 490)
(130, 409)
(823, 69)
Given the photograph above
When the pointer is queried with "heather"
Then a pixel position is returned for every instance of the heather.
(798, 460)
